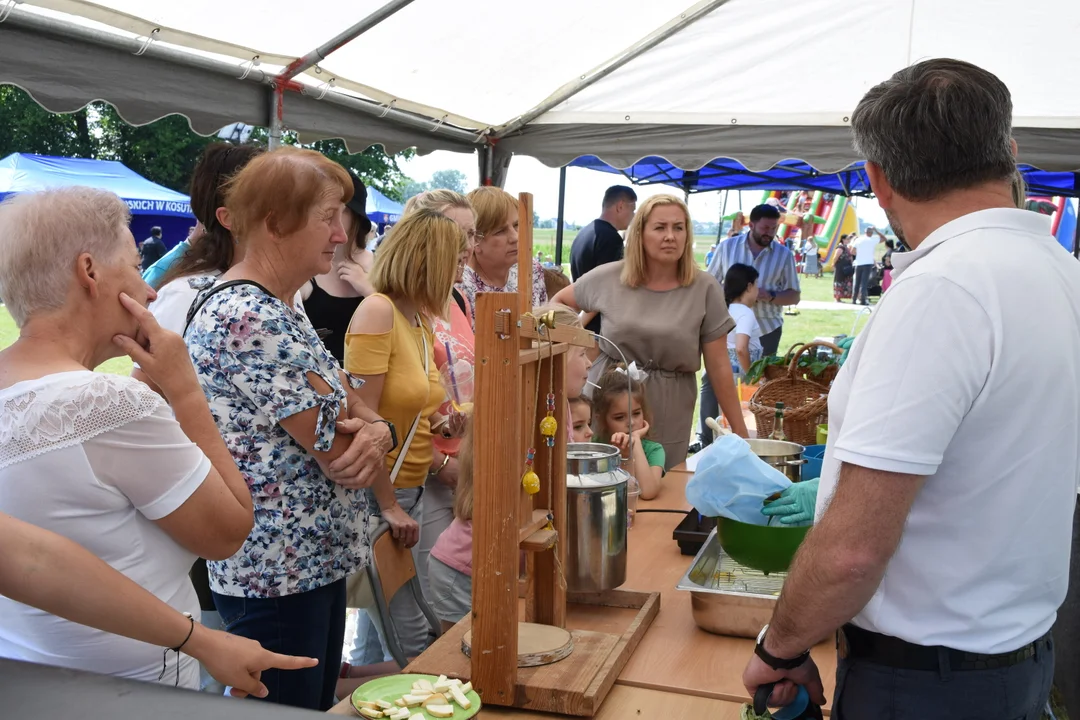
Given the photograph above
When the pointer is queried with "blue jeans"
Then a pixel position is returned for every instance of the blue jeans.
(310, 624)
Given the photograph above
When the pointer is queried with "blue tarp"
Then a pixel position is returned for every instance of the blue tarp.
(151, 204)
(381, 209)
(728, 174)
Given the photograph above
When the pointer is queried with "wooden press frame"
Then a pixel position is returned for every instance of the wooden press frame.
(506, 520)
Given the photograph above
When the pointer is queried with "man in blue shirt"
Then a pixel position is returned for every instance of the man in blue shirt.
(778, 286)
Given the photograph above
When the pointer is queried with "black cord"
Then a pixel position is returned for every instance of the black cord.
(661, 510)
(177, 649)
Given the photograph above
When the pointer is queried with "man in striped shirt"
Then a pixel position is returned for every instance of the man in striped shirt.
(778, 285)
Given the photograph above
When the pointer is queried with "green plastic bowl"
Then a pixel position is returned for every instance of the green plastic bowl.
(768, 548)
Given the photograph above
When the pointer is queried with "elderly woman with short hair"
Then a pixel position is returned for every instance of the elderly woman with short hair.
(100, 459)
(279, 399)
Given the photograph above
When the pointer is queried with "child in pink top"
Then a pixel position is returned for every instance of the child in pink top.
(450, 563)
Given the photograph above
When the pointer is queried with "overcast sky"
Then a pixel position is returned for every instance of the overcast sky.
(585, 188)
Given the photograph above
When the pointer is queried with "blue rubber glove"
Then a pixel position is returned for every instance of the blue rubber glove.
(795, 506)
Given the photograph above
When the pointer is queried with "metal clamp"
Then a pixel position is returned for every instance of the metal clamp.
(326, 87)
(8, 6)
(249, 66)
(148, 41)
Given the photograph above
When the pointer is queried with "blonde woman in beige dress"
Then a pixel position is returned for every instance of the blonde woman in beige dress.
(666, 315)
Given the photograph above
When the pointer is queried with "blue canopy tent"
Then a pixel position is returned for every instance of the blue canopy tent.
(727, 174)
(151, 204)
(381, 209)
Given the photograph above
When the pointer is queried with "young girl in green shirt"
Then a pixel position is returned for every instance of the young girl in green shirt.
(611, 425)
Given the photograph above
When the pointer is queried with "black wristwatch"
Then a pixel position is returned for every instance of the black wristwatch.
(393, 434)
(774, 662)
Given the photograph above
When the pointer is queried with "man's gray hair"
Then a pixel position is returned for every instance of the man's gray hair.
(41, 236)
(935, 127)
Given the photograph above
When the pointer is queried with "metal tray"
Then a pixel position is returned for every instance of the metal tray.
(727, 598)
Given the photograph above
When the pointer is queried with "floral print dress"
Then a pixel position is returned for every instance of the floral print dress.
(252, 354)
(472, 284)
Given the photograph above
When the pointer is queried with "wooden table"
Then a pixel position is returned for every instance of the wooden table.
(678, 669)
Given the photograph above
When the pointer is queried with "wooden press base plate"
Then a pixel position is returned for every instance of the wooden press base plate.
(537, 644)
(579, 683)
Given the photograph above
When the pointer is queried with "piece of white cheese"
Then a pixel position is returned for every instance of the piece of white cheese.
(369, 713)
(426, 686)
(383, 705)
(453, 681)
(414, 700)
(441, 711)
(436, 699)
(459, 697)
(367, 704)
(466, 688)
(418, 716)
(400, 714)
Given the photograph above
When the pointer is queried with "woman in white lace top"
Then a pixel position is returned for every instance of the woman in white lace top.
(102, 459)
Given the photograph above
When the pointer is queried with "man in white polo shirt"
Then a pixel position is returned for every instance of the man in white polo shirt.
(865, 260)
(944, 516)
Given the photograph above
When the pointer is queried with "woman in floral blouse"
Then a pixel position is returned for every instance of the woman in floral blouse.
(493, 265)
(280, 400)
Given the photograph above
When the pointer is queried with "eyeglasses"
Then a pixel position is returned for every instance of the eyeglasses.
(472, 236)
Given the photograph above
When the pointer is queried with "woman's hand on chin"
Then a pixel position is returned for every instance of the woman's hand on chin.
(160, 353)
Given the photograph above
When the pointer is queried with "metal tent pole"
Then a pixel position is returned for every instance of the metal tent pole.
(561, 214)
(586, 79)
(284, 80)
(1076, 230)
(312, 58)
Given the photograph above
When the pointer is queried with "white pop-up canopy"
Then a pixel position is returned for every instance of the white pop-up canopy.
(754, 80)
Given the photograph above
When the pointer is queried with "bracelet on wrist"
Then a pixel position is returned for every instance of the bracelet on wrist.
(177, 649)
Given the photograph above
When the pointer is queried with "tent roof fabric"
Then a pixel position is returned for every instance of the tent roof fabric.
(727, 174)
(381, 208)
(27, 173)
(756, 80)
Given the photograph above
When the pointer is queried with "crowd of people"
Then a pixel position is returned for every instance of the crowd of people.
(288, 403)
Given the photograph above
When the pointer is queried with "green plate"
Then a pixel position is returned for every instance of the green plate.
(391, 687)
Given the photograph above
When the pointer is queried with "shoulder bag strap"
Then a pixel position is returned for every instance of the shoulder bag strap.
(196, 306)
(416, 421)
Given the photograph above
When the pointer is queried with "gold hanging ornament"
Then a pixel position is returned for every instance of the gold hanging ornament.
(530, 481)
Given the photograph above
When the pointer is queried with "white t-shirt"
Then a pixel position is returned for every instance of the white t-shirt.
(97, 458)
(865, 247)
(966, 374)
(745, 324)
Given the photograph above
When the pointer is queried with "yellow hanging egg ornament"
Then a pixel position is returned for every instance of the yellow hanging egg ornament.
(530, 481)
(549, 426)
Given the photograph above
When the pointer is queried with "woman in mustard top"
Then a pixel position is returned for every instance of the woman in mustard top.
(390, 347)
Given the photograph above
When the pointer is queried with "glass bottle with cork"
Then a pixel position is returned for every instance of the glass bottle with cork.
(778, 424)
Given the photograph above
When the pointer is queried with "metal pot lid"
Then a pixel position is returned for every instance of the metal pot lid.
(763, 447)
(593, 465)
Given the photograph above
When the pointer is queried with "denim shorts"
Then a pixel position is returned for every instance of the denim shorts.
(451, 591)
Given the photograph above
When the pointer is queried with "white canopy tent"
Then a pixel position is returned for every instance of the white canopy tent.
(755, 80)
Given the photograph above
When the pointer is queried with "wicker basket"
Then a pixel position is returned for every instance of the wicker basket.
(806, 402)
(775, 372)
